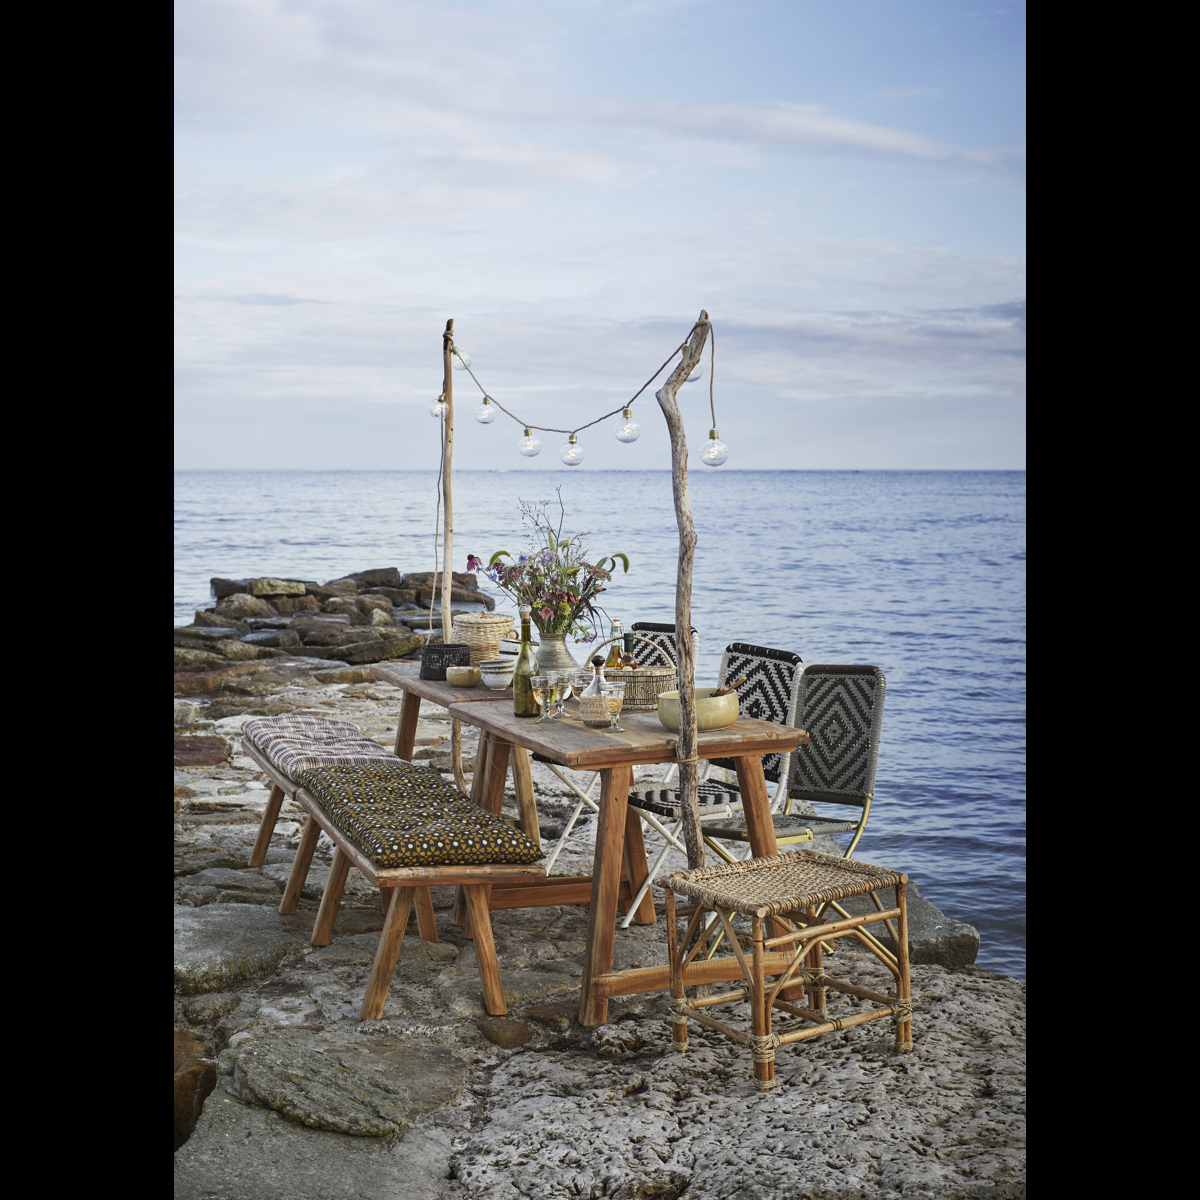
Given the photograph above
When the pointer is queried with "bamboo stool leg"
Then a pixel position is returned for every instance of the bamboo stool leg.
(390, 941)
(679, 1031)
(816, 959)
(331, 899)
(485, 949)
(303, 860)
(760, 1019)
(426, 922)
(266, 827)
(904, 983)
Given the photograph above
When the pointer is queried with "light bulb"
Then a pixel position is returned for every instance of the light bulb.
(529, 445)
(694, 375)
(439, 408)
(714, 452)
(572, 452)
(628, 430)
(485, 414)
(459, 360)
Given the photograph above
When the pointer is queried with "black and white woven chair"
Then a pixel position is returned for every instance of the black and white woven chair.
(769, 694)
(663, 636)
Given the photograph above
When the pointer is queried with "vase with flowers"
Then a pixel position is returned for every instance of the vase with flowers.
(556, 579)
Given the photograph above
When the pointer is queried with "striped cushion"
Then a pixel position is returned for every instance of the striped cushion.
(293, 743)
(716, 800)
(405, 816)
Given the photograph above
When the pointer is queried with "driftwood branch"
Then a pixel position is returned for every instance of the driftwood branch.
(685, 747)
(448, 533)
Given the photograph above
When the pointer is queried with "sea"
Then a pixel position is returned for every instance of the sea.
(921, 573)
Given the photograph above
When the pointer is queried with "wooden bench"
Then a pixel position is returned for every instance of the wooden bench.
(398, 888)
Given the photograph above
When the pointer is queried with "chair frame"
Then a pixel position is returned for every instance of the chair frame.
(805, 929)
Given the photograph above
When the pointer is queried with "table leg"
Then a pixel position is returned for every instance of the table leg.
(526, 804)
(480, 792)
(637, 867)
(497, 776)
(406, 730)
(606, 882)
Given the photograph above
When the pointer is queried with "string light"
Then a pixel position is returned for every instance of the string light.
(694, 375)
(572, 452)
(439, 408)
(529, 445)
(715, 452)
(463, 360)
(485, 414)
(627, 429)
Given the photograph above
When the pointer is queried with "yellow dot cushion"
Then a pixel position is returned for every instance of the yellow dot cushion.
(404, 816)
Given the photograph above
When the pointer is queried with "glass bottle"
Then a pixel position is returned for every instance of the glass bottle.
(614, 650)
(524, 704)
(592, 709)
(628, 662)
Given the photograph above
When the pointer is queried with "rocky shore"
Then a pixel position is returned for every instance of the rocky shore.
(280, 1090)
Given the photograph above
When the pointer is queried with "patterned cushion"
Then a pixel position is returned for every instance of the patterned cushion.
(292, 743)
(405, 816)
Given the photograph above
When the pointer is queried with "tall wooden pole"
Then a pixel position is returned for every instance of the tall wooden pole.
(447, 454)
(685, 747)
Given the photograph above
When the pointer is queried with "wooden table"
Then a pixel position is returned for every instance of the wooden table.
(619, 832)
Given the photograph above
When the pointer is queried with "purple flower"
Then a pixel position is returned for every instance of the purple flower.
(473, 563)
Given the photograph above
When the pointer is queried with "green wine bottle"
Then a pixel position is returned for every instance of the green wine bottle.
(524, 705)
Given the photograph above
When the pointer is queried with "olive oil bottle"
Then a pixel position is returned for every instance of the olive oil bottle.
(524, 705)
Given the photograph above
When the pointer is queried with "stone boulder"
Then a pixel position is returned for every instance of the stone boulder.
(206, 619)
(340, 635)
(189, 660)
(427, 579)
(223, 946)
(290, 605)
(227, 587)
(186, 713)
(397, 596)
(279, 638)
(266, 586)
(370, 604)
(342, 587)
(195, 1078)
(191, 635)
(243, 605)
(381, 577)
(201, 751)
(381, 617)
(371, 652)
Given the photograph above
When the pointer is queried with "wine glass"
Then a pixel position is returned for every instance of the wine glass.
(566, 685)
(614, 697)
(545, 689)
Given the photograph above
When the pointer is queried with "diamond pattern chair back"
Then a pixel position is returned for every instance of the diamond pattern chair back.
(770, 693)
(662, 636)
(841, 706)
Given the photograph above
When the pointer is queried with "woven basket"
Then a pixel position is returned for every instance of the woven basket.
(482, 632)
(643, 685)
(435, 659)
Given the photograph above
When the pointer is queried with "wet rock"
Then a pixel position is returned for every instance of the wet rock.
(205, 635)
(227, 587)
(243, 605)
(505, 1032)
(186, 713)
(205, 1010)
(279, 638)
(362, 1085)
(201, 751)
(221, 946)
(195, 1078)
(266, 586)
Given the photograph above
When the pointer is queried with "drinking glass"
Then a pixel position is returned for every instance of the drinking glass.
(614, 697)
(566, 685)
(545, 689)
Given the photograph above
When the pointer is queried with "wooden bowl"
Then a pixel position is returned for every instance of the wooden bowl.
(710, 714)
(462, 676)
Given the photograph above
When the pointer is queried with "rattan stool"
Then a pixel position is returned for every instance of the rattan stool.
(792, 892)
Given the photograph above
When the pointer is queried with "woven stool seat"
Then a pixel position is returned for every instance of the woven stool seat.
(791, 893)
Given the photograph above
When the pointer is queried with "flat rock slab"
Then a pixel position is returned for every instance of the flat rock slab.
(241, 1153)
(222, 946)
(460, 992)
(364, 1085)
(200, 751)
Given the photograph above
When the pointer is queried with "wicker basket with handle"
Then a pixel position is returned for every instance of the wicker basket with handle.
(482, 632)
(643, 685)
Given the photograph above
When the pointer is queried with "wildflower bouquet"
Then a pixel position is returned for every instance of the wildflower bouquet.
(555, 578)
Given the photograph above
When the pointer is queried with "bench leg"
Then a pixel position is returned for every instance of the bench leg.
(390, 941)
(331, 899)
(266, 827)
(426, 922)
(485, 949)
(303, 860)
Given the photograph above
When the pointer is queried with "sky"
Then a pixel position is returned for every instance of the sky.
(838, 184)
